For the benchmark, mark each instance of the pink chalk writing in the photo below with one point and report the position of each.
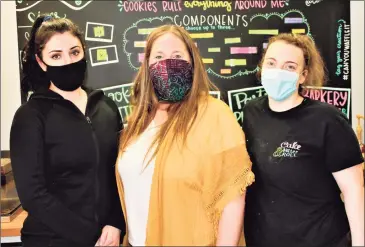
(171, 6)
(132, 6)
(278, 3)
(336, 98)
(264, 45)
(249, 4)
(293, 20)
(140, 57)
(243, 50)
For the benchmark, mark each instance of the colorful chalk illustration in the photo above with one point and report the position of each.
(338, 97)
(226, 56)
(230, 35)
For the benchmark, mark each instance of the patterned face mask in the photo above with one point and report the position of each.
(172, 79)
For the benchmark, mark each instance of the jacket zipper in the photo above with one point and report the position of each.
(97, 192)
(96, 169)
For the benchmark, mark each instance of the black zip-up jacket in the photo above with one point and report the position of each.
(64, 168)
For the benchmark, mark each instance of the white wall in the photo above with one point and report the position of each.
(10, 86)
(357, 61)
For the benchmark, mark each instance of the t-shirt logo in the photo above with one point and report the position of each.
(287, 149)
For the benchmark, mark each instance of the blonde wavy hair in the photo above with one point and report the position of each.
(144, 102)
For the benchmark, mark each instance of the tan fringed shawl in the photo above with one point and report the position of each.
(192, 184)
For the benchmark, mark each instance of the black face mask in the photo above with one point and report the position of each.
(67, 77)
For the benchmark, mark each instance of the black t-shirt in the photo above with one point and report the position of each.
(295, 200)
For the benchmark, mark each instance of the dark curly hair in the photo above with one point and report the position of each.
(43, 29)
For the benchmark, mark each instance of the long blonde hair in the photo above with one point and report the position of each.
(144, 102)
(314, 63)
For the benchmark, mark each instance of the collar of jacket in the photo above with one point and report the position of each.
(46, 93)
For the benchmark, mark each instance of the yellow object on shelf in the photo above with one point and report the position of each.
(359, 135)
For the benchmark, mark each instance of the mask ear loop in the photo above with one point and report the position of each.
(147, 75)
(306, 62)
(301, 87)
(41, 59)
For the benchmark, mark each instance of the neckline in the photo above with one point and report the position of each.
(153, 125)
(287, 113)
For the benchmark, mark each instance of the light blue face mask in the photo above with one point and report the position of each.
(279, 84)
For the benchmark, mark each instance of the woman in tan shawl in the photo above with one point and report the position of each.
(183, 167)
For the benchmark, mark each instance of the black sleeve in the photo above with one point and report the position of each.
(246, 128)
(27, 157)
(342, 149)
(116, 217)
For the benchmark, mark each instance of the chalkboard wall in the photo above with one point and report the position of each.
(231, 36)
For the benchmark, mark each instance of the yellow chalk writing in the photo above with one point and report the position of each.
(298, 30)
(232, 40)
(235, 62)
(201, 35)
(99, 31)
(139, 44)
(226, 71)
(264, 31)
(145, 31)
(101, 55)
(208, 60)
(207, 4)
(214, 49)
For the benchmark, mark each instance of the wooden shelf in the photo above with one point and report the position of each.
(12, 229)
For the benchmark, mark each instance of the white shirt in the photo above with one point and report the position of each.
(137, 184)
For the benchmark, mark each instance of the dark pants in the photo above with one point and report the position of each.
(343, 242)
(346, 241)
(33, 241)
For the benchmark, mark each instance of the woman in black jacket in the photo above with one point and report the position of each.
(64, 144)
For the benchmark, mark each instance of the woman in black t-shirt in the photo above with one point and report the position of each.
(304, 154)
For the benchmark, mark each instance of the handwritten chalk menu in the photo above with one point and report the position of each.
(230, 35)
(239, 97)
(121, 94)
(338, 97)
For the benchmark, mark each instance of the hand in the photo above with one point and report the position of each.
(110, 236)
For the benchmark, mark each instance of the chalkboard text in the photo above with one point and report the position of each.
(209, 4)
(241, 5)
(33, 16)
(238, 99)
(211, 20)
(140, 6)
(338, 97)
(343, 50)
(346, 52)
(171, 6)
